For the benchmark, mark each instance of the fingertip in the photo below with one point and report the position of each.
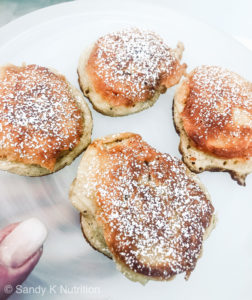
(22, 242)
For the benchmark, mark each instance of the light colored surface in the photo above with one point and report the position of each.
(231, 16)
(245, 41)
(55, 37)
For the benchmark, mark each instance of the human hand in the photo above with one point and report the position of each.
(20, 249)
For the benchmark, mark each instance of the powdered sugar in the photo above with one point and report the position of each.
(133, 61)
(154, 215)
(219, 90)
(39, 117)
(219, 107)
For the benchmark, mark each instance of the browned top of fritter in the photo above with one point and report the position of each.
(39, 118)
(128, 66)
(217, 115)
(154, 216)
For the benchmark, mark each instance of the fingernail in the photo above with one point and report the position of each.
(22, 242)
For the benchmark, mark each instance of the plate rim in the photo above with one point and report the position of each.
(35, 18)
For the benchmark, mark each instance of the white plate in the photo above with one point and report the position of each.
(55, 37)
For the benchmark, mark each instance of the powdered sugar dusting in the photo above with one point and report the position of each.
(220, 107)
(154, 215)
(38, 118)
(133, 62)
